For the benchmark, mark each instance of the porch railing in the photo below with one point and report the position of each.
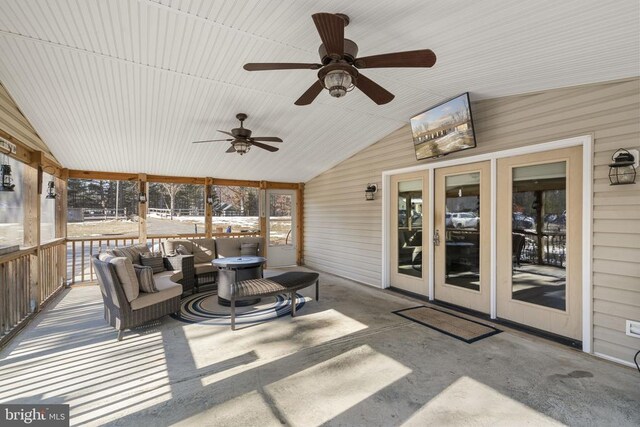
(15, 288)
(19, 282)
(81, 250)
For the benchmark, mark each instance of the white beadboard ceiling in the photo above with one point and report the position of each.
(125, 85)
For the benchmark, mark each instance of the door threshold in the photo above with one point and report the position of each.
(513, 325)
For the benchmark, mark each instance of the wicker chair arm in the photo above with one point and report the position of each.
(185, 264)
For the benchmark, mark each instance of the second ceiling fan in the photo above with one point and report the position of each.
(338, 70)
(242, 140)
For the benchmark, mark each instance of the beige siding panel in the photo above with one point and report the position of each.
(616, 240)
(16, 124)
(619, 352)
(616, 282)
(610, 111)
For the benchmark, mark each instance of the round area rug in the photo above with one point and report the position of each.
(204, 308)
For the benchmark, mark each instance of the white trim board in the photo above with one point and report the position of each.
(586, 141)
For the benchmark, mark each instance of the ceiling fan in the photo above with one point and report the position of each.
(338, 71)
(242, 140)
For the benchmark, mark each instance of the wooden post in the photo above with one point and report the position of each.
(32, 183)
(263, 216)
(208, 209)
(300, 224)
(61, 204)
(142, 208)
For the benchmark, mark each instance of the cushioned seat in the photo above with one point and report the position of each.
(205, 268)
(167, 289)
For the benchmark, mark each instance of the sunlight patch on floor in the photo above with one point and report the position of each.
(469, 402)
(333, 386)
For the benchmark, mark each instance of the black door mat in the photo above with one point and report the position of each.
(458, 327)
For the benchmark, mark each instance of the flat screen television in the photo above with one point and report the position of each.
(444, 129)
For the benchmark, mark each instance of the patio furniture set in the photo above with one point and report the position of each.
(139, 285)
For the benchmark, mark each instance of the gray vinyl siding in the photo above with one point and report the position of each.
(343, 232)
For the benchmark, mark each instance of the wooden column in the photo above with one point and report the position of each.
(300, 224)
(263, 216)
(142, 209)
(31, 189)
(61, 203)
(208, 209)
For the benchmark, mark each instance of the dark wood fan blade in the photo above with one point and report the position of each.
(331, 30)
(225, 132)
(266, 138)
(265, 66)
(311, 94)
(414, 58)
(231, 149)
(211, 140)
(373, 90)
(265, 146)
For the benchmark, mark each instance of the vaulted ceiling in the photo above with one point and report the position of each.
(125, 86)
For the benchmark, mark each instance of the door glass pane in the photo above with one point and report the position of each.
(280, 230)
(462, 230)
(539, 238)
(410, 228)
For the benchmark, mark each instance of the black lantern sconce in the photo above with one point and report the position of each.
(370, 192)
(7, 180)
(51, 190)
(210, 200)
(623, 169)
(142, 198)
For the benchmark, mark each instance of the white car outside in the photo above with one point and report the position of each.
(464, 220)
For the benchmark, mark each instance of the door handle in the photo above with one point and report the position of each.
(436, 238)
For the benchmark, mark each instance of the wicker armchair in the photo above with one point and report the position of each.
(122, 314)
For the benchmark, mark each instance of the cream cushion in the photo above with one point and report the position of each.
(203, 250)
(205, 268)
(167, 289)
(132, 252)
(229, 247)
(127, 276)
(170, 246)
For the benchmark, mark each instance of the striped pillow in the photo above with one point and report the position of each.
(153, 260)
(145, 279)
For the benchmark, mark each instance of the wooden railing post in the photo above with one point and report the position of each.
(208, 209)
(300, 224)
(142, 209)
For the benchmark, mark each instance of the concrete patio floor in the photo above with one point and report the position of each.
(346, 360)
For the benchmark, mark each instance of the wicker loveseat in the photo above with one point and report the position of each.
(125, 306)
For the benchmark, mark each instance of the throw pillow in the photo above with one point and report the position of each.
(249, 249)
(181, 250)
(145, 279)
(105, 256)
(153, 260)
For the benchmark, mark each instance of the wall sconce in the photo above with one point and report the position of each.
(623, 169)
(142, 198)
(51, 190)
(210, 200)
(7, 180)
(369, 193)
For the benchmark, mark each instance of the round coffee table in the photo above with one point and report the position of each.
(236, 269)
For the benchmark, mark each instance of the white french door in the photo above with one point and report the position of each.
(281, 228)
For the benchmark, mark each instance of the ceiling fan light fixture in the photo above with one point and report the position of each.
(241, 147)
(338, 83)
